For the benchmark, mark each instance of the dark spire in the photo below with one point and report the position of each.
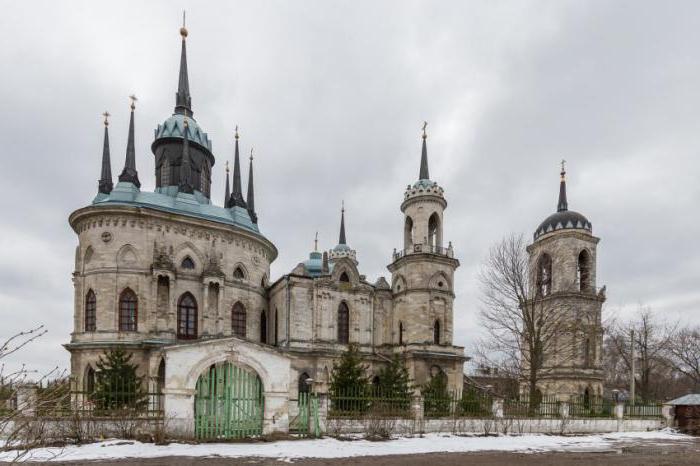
(183, 101)
(227, 193)
(341, 240)
(105, 184)
(129, 174)
(237, 194)
(251, 192)
(562, 204)
(185, 185)
(324, 264)
(424, 175)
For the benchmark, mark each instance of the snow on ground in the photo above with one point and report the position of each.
(332, 448)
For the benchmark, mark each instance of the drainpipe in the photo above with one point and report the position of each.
(289, 299)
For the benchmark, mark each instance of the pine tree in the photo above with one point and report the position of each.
(394, 381)
(349, 382)
(436, 398)
(117, 386)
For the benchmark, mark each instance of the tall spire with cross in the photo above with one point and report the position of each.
(185, 185)
(105, 184)
(227, 192)
(424, 174)
(183, 101)
(129, 174)
(562, 205)
(237, 194)
(342, 240)
(251, 192)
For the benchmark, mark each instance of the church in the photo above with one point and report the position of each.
(183, 283)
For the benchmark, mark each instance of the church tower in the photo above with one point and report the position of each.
(562, 261)
(422, 283)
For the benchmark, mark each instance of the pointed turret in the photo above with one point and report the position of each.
(341, 239)
(183, 101)
(251, 192)
(237, 194)
(424, 173)
(227, 192)
(185, 185)
(105, 184)
(562, 205)
(129, 174)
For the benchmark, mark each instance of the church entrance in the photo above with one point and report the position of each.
(229, 403)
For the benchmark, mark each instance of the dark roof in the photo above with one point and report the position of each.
(563, 219)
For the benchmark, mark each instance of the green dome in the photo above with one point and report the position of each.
(174, 127)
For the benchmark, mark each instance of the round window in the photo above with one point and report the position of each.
(440, 284)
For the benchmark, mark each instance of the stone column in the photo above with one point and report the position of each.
(619, 411)
(564, 409)
(497, 408)
(276, 414)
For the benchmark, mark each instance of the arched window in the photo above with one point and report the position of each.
(544, 275)
(343, 323)
(434, 233)
(187, 263)
(263, 281)
(161, 383)
(304, 386)
(263, 326)
(408, 233)
(128, 311)
(238, 273)
(583, 271)
(90, 380)
(238, 320)
(344, 278)
(400, 333)
(436, 332)
(90, 312)
(187, 317)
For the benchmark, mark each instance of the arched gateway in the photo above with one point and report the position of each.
(229, 403)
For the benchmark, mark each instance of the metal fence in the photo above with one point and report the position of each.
(591, 407)
(648, 409)
(544, 407)
(357, 402)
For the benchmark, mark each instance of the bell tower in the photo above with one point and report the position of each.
(422, 282)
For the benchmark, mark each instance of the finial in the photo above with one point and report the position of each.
(425, 125)
(106, 114)
(342, 206)
(251, 154)
(183, 29)
(563, 169)
(316, 243)
(236, 131)
(227, 166)
(133, 99)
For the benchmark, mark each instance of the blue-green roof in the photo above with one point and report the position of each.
(170, 200)
(314, 264)
(424, 184)
(174, 127)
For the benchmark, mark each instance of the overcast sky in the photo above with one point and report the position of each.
(332, 96)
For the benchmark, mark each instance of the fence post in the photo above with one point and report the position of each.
(497, 408)
(619, 410)
(27, 399)
(668, 414)
(564, 409)
(322, 411)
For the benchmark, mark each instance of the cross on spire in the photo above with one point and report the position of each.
(562, 204)
(106, 114)
(424, 174)
(316, 242)
(183, 100)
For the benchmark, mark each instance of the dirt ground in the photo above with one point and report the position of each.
(637, 454)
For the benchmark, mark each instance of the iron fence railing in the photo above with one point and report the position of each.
(644, 409)
(423, 249)
(591, 407)
(545, 407)
(357, 402)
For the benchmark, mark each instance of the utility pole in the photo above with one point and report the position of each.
(633, 368)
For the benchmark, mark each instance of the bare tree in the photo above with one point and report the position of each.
(528, 332)
(684, 354)
(651, 343)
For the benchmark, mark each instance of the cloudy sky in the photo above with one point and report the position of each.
(332, 96)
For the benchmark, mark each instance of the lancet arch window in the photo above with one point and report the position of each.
(90, 311)
(89, 384)
(187, 263)
(583, 271)
(303, 384)
(544, 275)
(238, 320)
(400, 333)
(434, 232)
(343, 323)
(238, 273)
(344, 278)
(263, 326)
(436, 332)
(187, 317)
(128, 311)
(408, 233)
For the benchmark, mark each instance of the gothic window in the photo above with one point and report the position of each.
(238, 320)
(436, 332)
(90, 312)
(304, 386)
(128, 311)
(90, 380)
(238, 274)
(544, 275)
(344, 278)
(187, 317)
(343, 323)
(400, 333)
(187, 263)
(434, 233)
(408, 233)
(263, 327)
(583, 271)
(263, 281)
(160, 383)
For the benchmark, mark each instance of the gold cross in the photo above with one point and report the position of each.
(563, 166)
(106, 115)
(133, 101)
(251, 154)
(425, 125)
(236, 131)
(227, 166)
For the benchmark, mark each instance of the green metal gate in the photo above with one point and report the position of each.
(306, 421)
(228, 403)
